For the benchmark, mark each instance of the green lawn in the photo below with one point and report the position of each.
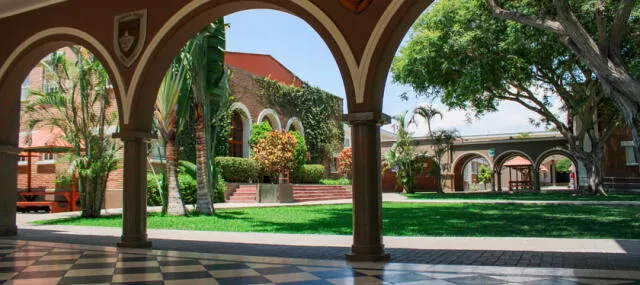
(411, 219)
(525, 196)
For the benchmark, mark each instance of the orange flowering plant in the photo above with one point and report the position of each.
(275, 153)
(344, 162)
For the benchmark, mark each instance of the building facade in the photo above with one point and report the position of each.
(42, 168)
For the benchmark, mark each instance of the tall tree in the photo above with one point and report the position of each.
(442, 143)
(402, 156)
(602, 34)
(166, 121)
(209, 84)
(428, 113)
(78, 103)
(471, 60)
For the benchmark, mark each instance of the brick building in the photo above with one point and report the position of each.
(247, 109)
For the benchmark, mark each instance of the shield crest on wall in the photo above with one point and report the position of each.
(130, 31)
(356, 6)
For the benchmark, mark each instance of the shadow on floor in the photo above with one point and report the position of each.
(629, 261)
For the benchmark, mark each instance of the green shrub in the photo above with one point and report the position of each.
(339, 181)
(300, 156)
(309, 173)
(218, 196)
(188, 189)
(236, 169)
(258, 132)
(153, 193)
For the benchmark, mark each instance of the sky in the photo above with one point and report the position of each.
(296, 45)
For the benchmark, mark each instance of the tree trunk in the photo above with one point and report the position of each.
(204, 205)
(175, 206)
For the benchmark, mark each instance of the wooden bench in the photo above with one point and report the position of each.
(54, 207)
(71, 198)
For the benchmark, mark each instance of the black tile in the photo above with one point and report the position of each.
(53, 262)
(99, 255)
(136, 270)
(40, 274)
(93, 265)
(85, 279)
(179, 262)
(11, 269)
(141, 283)
(19, 258)
(243, 280)
(337, 274)
(70, 252)
(310, 282)
(186, 275)
(404, 277)
(226, 266)
(278, 270)
(136, 258)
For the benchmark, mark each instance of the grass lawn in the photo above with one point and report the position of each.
(410, 219)
(524, 196)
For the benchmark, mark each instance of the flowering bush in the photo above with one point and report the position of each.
(275, 153)
(344, 162)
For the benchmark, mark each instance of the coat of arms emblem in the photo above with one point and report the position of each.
(356, 6)
(129, 35)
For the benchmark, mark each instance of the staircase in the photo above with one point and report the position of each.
(244, 194)
(306, 193)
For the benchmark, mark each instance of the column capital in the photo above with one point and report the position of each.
(366, 118)
(9, 149)
(130, 135)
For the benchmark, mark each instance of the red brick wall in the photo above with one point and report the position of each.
(615, 164)
(43, 176)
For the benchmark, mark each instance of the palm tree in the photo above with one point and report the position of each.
(401, 156)
(209, 84)
(428, 113)
(166, 121)
(77, 103)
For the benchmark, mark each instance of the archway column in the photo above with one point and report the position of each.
(367, 187)
(134, 210)
(9, 177)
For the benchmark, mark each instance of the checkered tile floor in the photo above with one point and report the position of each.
(37, 263)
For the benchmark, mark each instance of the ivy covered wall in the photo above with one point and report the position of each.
(319, 111)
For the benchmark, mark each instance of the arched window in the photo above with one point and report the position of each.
(268, 120)
(237, 136)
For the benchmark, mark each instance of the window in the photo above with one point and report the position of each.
(347, 142)
(23, 160)
(630, 154)
(24, 92)
(237, 136)
(48, 156)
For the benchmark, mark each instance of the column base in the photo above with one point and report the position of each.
(134, 243)
(368, 253)
(8, 231)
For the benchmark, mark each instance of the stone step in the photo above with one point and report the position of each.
(245, 191)
(321, 191)
(318, 199)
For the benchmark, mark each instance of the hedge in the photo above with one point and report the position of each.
(309, 173)
(188, 189)
(236, 169)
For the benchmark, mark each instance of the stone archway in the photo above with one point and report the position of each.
(247, 124)
(459, 165)
(294, 124)
(12, 74)
(501, 159)
(271, 116)
(560, 152)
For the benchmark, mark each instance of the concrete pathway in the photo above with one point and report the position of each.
(514, 252)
